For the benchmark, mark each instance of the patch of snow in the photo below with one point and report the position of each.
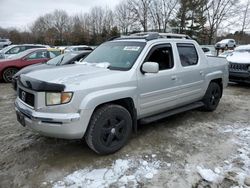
(153, 155)
(209, 175)
(121, 173)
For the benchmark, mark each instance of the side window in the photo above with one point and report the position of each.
(188, 54)
(14, 50)
(38, 55)
(163, 56)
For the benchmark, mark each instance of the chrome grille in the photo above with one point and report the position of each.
(26, 97)
(238, 67)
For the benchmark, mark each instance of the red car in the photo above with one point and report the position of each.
(9, 67)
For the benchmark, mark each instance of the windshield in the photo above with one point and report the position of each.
(119, 54)
(61, 59)
(224, 41)
(6, 49)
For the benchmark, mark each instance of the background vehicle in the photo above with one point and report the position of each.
(15, 49)
(63, 59)
(239, 64)
(136, 78)
(226, 53)
(4, 43)
(209, 50)
(82, 48)
(225, 43)
(9, 67)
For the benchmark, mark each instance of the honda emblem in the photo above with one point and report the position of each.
(23, 95)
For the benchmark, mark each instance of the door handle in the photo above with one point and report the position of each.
(173, 77)
(201, 73)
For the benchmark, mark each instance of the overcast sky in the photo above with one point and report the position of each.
(21, 13)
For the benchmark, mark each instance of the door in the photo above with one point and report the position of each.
(191, 75)
(40, 56)
(157, 91)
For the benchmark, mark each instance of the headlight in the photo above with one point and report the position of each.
(58, 98)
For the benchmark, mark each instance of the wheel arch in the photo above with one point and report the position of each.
(127, 103)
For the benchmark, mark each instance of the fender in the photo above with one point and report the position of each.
(92, 100)
(214, 75)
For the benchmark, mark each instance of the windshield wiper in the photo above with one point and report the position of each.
(60, 61)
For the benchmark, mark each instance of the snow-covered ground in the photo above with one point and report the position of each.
(193, 149)
(131, 172)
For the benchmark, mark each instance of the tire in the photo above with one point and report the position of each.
(8, 74)
(212, 97)
(109, 129)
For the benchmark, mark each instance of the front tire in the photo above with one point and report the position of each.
(109, 129)
(212, 97)
(8, 74)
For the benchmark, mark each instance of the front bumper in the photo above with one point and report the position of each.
(59, 125)
(243, 77)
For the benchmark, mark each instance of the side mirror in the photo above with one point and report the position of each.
(150, 67)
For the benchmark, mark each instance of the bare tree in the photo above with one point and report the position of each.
(245, 17)
(161, 12)
(218, 11)
(140, 10)
(124, 17)
(60, 22)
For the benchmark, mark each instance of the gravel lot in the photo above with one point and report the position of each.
(193, 149)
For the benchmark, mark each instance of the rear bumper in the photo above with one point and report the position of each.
(239, 77)
(59, 125)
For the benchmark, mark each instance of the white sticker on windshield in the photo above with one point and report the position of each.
(131, 48)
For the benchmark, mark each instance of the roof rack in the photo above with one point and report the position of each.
(153, 35)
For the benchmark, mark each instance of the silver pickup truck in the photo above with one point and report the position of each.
(139, 78)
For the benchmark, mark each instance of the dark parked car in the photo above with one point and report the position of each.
(15, 49)
(64, 59)
(9, 67)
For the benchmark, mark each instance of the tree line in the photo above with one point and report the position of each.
(203, 20)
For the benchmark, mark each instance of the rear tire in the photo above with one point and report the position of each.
(8, 74)
(212, 97)
(109, 129)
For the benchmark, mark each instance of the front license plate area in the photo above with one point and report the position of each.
(20, 118)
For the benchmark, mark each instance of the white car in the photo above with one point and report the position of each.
(4, 43)
(225, 43)
(82, 48)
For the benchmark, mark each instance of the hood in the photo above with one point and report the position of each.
(239, 57)
(30, 68)
(85, 75)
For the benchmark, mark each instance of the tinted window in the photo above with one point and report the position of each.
(14, 50)
(38, 55)
(161, 55)
(188, 54)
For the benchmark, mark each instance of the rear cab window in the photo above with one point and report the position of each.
(188, 54)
